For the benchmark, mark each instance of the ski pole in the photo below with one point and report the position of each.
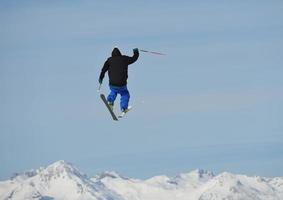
(152, 52)
(99, 87)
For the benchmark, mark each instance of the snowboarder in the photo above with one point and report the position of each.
(117, 67)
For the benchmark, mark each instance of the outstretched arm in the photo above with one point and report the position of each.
(134, 57)
(103, 71)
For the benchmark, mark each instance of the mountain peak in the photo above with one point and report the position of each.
(58, 168)
(109, 174)
(194, 178)
(201, 173)
(197, 174)
(62, 167)
(59, 180)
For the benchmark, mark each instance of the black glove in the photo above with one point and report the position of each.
(100, 81)
(135, 50)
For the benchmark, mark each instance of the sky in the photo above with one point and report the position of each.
(214, 102)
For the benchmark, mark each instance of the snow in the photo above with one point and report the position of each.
(58, 181)
(63, 181)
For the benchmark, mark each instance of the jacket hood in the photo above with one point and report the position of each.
(116, 52)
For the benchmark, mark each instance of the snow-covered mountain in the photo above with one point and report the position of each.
(62, 181)
(59, 180)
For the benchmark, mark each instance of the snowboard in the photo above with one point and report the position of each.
(102, 96)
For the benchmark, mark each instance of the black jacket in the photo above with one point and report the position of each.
(117, 67)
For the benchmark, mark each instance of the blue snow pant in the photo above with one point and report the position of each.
(125, 96)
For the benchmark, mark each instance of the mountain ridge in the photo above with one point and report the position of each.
(63, 181)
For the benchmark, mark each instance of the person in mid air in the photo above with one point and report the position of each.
(117, 67)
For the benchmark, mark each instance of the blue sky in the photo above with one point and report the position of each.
(214, 102)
